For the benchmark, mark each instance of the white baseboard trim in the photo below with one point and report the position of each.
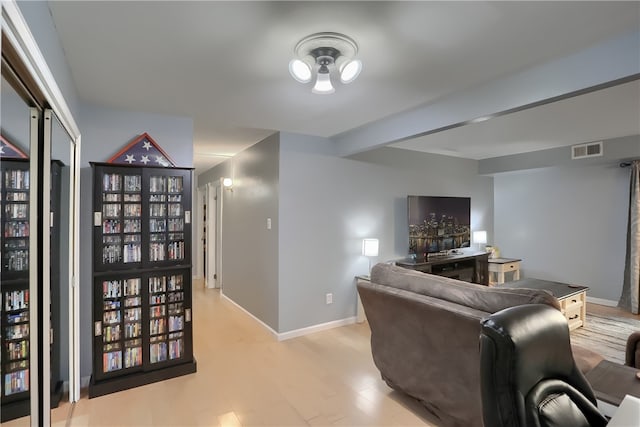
(296, 332)
(316, 328)
(274, 333)
(602, 301)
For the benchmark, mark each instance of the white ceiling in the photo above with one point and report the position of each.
(604, 114)
(225, 65)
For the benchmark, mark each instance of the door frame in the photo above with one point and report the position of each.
(17, 34)
(199, 270)
(220, 192)
(213, 276)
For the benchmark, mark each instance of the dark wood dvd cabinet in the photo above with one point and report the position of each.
(141, 276)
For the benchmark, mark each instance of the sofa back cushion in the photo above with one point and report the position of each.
(478, 297)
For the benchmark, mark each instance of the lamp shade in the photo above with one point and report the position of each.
(350, 70)
(370, 247)
(323, 84)
(300, 70)
(480, 237)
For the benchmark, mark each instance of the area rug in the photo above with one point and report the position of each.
(605, 335)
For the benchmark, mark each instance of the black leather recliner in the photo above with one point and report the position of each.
(528, 375)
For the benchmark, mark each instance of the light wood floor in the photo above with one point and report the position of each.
(610, 311)
(246, 378)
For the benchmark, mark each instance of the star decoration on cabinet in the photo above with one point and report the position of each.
(142, 151)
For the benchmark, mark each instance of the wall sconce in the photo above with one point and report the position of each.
(227, 183)
(370, 249)
(480, 238)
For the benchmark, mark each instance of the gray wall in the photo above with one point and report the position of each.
(322, 207)
(215, 173)
(249, 250)
(329, 204)
(104, 132)
(614, 150)
(568, 224)
(441, 176)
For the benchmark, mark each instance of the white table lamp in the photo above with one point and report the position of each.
(370, 249)
(480, 238)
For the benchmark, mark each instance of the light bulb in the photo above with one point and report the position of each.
(300, 70)
(350, 70)
(323, 83)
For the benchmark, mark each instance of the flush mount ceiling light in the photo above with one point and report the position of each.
(322, 54)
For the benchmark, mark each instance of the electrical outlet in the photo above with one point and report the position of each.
(329, 298)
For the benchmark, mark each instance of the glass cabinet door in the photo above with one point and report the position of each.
(169, 338)
(157, 319)
(169, 217)
(118, 220)
(118, 328)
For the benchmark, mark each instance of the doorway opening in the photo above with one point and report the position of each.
(210, 201)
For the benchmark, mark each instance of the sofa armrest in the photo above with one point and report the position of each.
(632, 356)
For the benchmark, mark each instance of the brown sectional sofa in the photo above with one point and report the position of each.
(632, 354)
(425, 336)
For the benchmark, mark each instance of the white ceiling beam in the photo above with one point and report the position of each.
(615, 60)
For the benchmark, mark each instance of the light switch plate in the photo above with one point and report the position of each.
(187, 217)
(97, 219)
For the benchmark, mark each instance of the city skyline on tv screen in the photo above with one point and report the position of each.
(438, 223)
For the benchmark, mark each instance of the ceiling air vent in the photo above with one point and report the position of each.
(582, 151)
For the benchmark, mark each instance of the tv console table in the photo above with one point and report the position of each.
(470, 267)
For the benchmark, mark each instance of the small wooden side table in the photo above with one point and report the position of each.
(500, 266)
(572, 298)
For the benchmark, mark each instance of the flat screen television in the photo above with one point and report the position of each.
(438, 223)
